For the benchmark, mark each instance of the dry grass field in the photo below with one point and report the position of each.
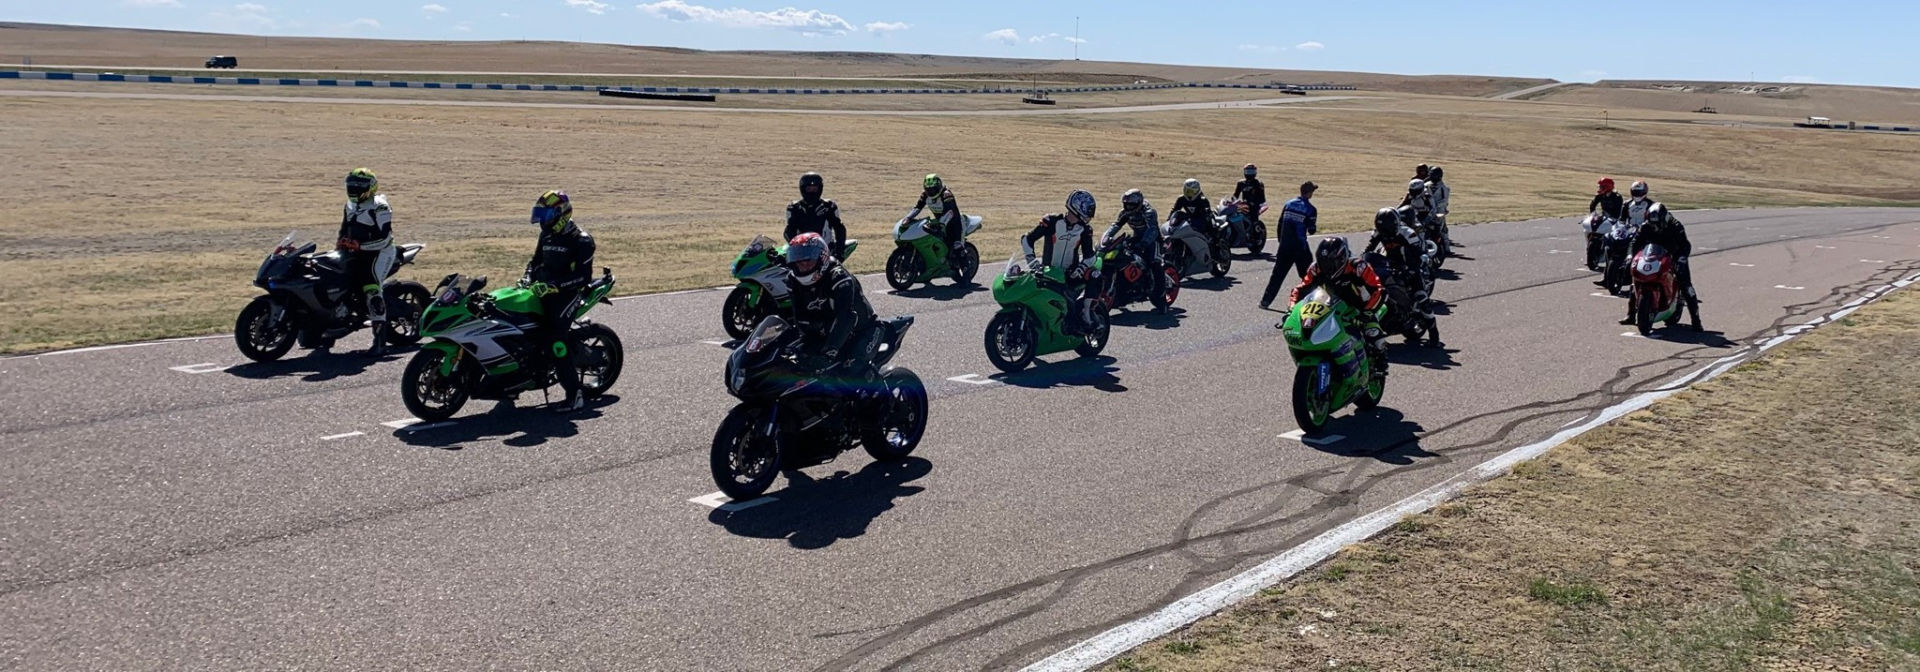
(72, 45)
(163, 208)
(1762, 521)
(1865, 104)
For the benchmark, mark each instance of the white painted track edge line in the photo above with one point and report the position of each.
(1127, 636)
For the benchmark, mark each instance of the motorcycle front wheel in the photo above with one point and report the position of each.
(259, 337)
(903, 421)
(739, 315)
(1310, 410)
(428, 394)
(746, 452)
(902, 268)
(1011, 341)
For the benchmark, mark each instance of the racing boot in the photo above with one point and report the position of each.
(569, 375)
(1376, 346)
(1693, 309)
(377, 312)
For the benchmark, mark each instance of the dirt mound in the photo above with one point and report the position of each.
(1867, 104)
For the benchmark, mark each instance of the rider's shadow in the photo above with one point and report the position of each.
(1383, 434)
(1423, 356)
(1148, 318)
(1211, 284)
(1683, 334)
(1446, 274)
(513, 426)
(815, 513)
(953, 292)
(1095, 372)
(317, 366)
(1439, 307)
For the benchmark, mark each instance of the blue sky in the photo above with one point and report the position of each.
(1866, 42)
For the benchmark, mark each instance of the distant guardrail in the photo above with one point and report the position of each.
(1856, 126)
(468, 86)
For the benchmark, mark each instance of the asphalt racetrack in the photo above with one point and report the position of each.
(168, 505)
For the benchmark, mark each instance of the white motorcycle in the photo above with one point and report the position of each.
(1189, 252)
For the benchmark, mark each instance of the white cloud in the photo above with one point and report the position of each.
(804, 21)
(1309, 46)
(369, 24)
(463, 27)
(242, 18)
(592, 6)
(1074, 40)
(886, 26)
(1007, 36)
(1037, 39)
(150, 4)
(431, 10)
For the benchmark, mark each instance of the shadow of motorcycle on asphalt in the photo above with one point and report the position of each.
(813, 513)
(1145, 317)
(942, 293)
(508, 423)
(318, 365)
(1687, 336)
(1211, 284)
(1095, 372)
(1423, 356)
(1383, 434)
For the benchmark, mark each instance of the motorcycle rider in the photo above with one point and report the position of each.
(366, 242)
(1420, 197)
(1665, 230)
(1192, 207)
(1439, 195)
(1355, 284)
(1298, 219)
(1251, 192)
(1636, 210)
(1144, 225)
(1422, 172)
(935, 196)
(1405, 254)
(830, 309)
(1068, 238)
(561, 267)
(813, 214)
(1608, 201)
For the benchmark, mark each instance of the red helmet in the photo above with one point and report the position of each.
(1606, 185)
(806, 257)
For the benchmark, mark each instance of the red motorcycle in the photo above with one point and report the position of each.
(1656, 291)
(1124, 278)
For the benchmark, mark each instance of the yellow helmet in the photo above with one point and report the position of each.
(362, 184)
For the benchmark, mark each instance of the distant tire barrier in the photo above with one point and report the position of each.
(467, 86)
(683, 97)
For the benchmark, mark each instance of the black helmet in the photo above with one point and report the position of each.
(1407, 214)
(1331, 258)
(812, 185)
(1422, 171)
(1386, 221)
(1132, 200)
(1434, 173)
(1658, 214)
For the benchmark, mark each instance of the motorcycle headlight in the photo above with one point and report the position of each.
(1325, 333)
(739, 381)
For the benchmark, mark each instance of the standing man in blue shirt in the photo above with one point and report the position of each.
(1298, 220)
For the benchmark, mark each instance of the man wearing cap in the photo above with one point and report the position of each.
(1298, 219)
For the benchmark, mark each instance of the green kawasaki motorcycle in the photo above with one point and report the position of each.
(1334, 367)
(1033, 315)
(762, 290)
(485, 347)
(920, 255)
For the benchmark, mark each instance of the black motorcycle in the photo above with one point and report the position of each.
(310, 301)
(1409, 310)
(1125, 278)
(791, 416)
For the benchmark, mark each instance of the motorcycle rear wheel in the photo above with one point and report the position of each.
(742, 447)
(405, 302)
(259, 341)
(601, 359)
(969, 266)
(1095, 340)
(903, 421)
(1257, 239)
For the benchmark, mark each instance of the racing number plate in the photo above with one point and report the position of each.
(1315, 311)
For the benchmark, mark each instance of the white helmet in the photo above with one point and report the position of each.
(1191, 189)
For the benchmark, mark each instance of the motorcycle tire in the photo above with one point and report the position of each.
(1257, 239)
(1170, 291)
(904, 420)
(1220, 267)
(739, 316)
(903, 266)
(1311, 414)
(1094, 341)
(743, 424)
(1370, 394)
(1643, 315)
(249, 328)
(601, 351)
(970, 265)
(423, 375)
(1004, 325)
(406, 301)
